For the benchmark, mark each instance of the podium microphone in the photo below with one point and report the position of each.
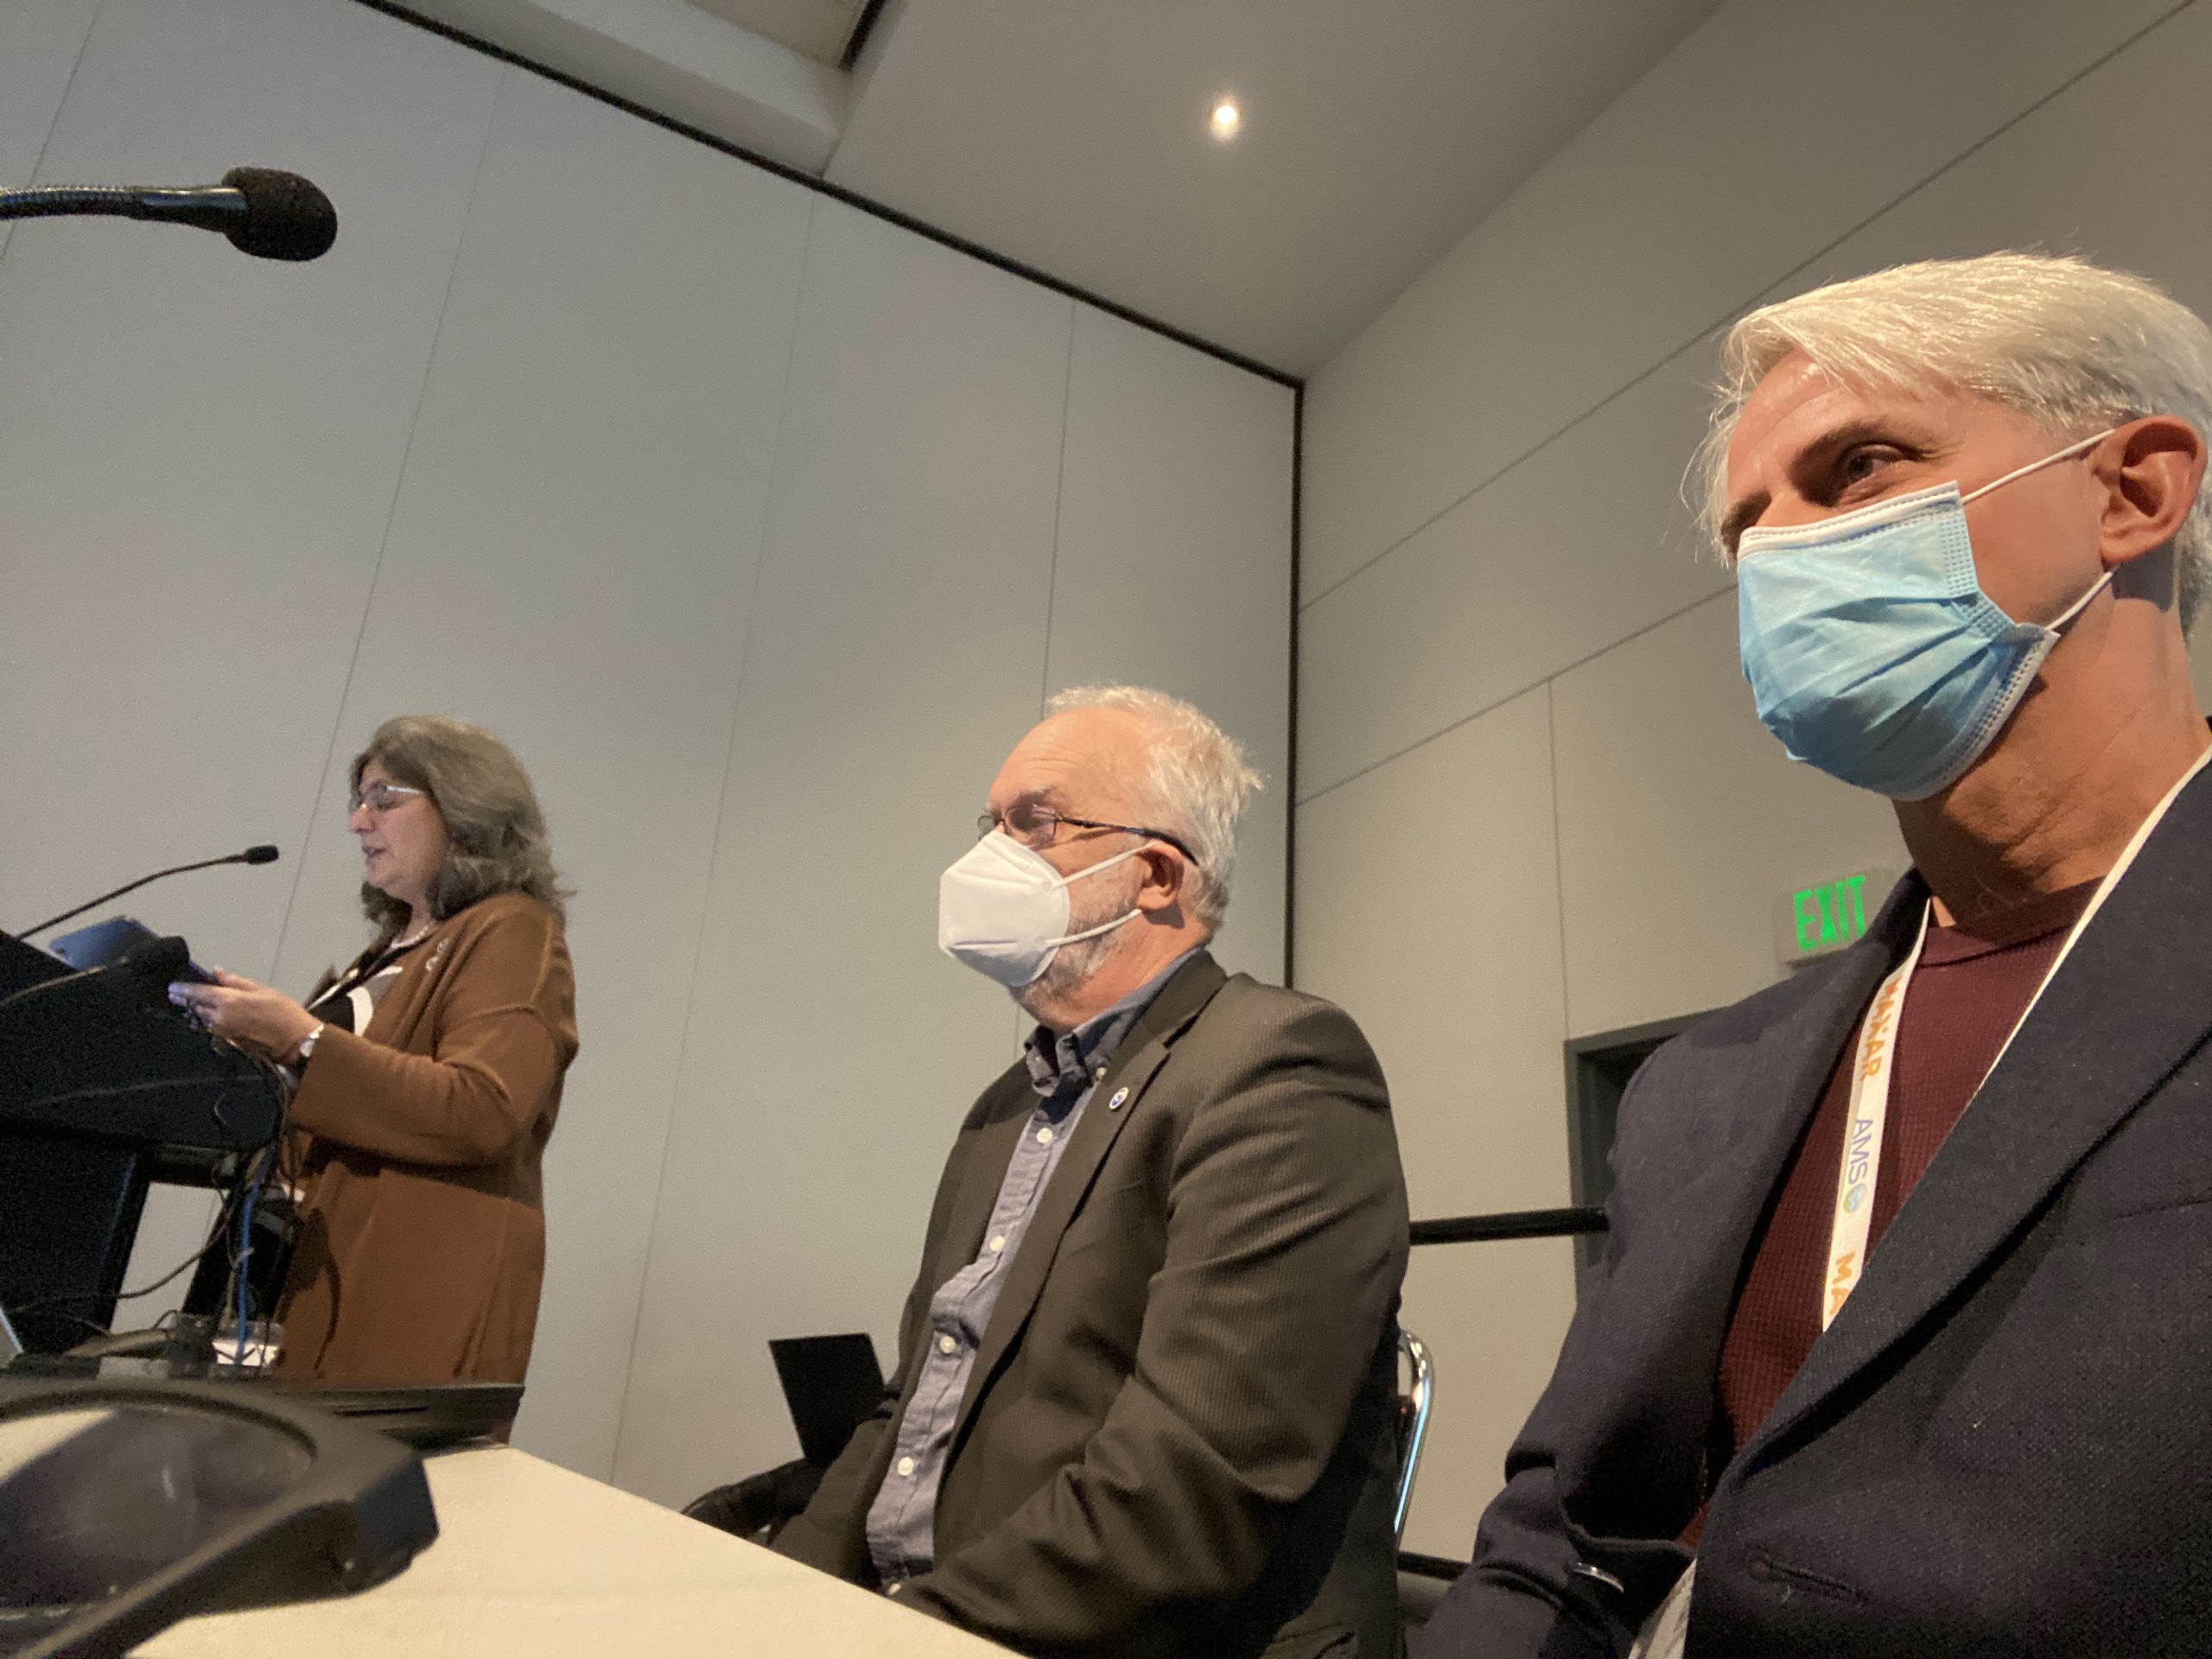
(269, 214)
(149, 965)
(264, 854)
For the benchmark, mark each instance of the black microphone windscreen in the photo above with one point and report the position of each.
(264, 854)
(286, 217)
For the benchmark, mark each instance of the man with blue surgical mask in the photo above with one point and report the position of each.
(1901, 1342)
(1145, 1400)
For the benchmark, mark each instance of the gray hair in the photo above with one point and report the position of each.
(1197, 786)
(2073, 346)
(497, 829)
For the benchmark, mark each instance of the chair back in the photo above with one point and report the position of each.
(1413, 1401)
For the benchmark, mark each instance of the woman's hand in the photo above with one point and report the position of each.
(251, 1016)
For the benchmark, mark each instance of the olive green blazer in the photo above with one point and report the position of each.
(1175, 1437)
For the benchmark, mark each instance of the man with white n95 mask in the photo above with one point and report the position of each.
(1147, 1376)
(1901, 1344)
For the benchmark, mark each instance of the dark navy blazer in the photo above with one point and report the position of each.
(2003, 1445)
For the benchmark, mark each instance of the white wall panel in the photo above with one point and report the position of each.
(1426, 907)
(1680, 821)
(1769, 133)
(896, 653)
(198, 450)
(571, 560)
(1583, 545)
(2100, 169)
(1493, 1316)
(1588, 540)
(1173, 570)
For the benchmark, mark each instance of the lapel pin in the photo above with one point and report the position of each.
(1115, 1105)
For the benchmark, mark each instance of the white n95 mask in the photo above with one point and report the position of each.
(1002, 909)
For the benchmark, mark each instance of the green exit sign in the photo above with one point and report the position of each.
(1823, 918)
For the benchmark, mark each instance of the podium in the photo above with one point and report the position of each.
(99, 1097)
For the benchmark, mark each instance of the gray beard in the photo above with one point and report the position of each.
(1073, 964)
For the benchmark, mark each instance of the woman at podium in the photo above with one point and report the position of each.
(429, 1073)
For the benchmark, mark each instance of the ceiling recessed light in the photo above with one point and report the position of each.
(1227, 119)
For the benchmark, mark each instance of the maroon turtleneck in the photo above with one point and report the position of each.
(1973, 982)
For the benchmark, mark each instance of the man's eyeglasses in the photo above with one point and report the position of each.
(381, 797)
(1037, 827)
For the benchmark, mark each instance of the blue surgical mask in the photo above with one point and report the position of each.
(1872, 650)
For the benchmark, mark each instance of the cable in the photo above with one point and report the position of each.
(271, 1150)
(244, 1269)
(220, 1228)
(260, 1169)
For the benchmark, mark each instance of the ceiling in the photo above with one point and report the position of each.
(1072, 135)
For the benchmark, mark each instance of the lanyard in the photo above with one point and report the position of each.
(1874, 1066)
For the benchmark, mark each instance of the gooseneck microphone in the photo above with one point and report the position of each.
(264, 854)
(269, 214)
(151, 964)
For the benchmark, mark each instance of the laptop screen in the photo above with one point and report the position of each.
(831, 1384)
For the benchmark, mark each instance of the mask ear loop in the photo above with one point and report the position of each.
(2056, 625)
(1092, 933)
(2067, 453)
(1105, 927)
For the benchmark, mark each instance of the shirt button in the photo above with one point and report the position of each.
(946, 1344)
(906, 1466)
(1043, 1137)
(998, 1244)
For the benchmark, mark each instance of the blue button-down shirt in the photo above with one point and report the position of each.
(1064, 1069)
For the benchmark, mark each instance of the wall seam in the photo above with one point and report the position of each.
(713, 845)
(391, 518)
(1517, 692)
(1559, 860)
(1023, 1023)
(2162, 20)
(92, 22)
(400, 11)
(1059, 497)
(1783, 281)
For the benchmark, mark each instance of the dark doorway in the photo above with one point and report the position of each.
(1598, 1072)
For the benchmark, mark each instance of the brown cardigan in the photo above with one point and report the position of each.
(423, 1236)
